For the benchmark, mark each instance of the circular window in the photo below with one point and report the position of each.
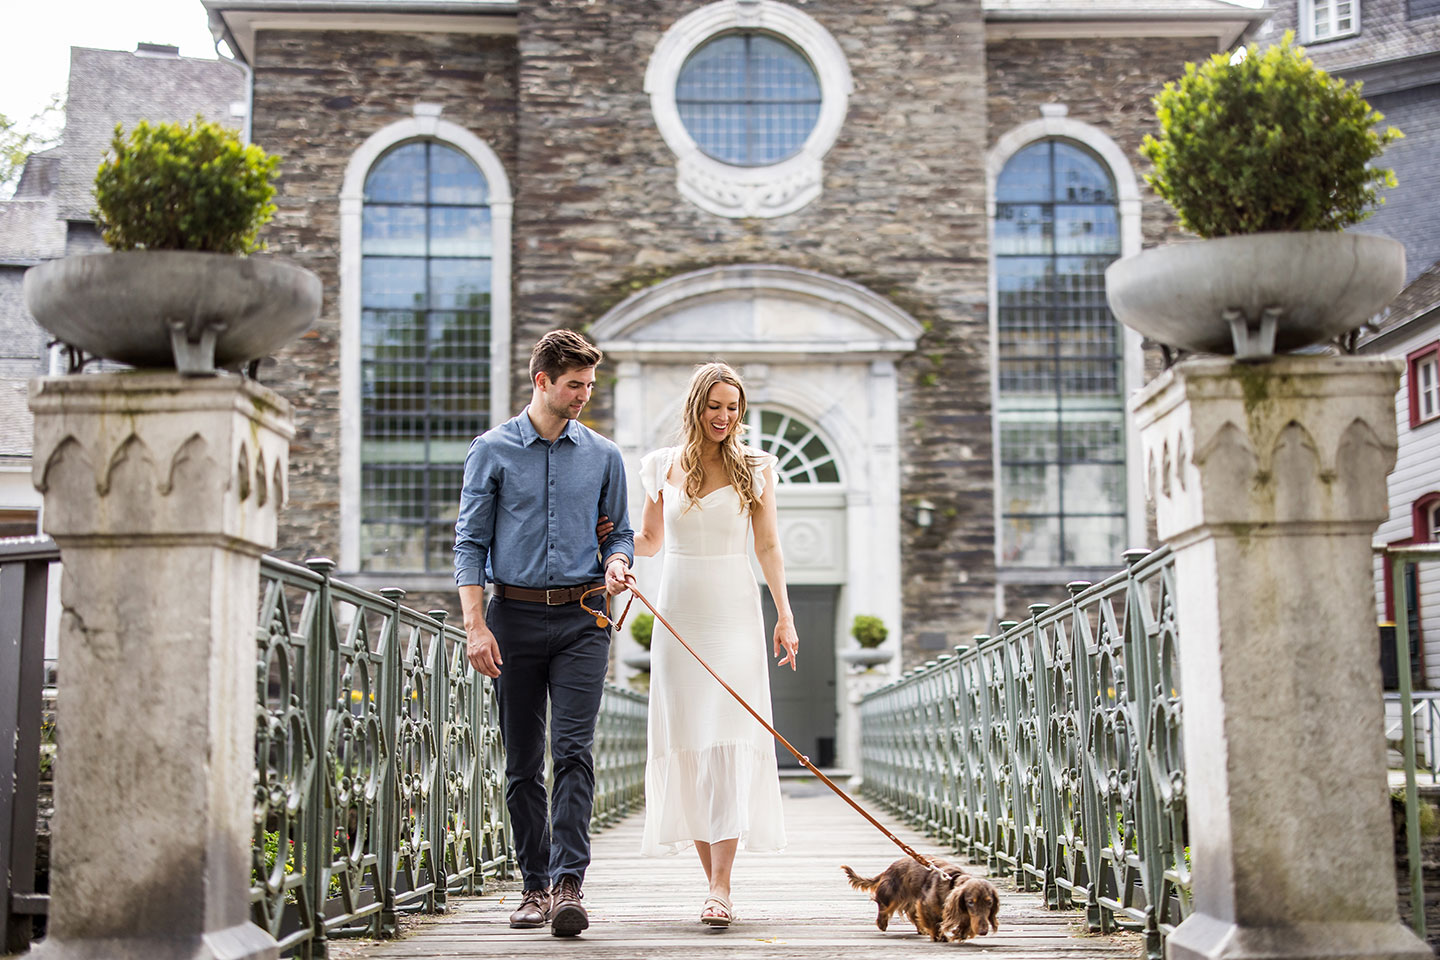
(748, 99)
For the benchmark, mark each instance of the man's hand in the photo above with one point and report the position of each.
(617, 576)
(482, 650)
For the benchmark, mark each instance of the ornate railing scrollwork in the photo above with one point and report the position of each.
(1053, 751)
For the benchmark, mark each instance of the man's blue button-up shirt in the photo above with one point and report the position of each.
(528, 507)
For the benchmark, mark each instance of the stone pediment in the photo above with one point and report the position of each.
(755, 311)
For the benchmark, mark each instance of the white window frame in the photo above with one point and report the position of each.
(1054, 123)
(425, 125)
(1430, 361)
(1307, 20)
(724, 189)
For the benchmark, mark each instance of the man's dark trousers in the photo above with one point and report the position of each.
(555, 652)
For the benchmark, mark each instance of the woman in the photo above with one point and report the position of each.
(710, 779)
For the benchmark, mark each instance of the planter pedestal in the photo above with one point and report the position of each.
(1269, 481)
(162, 492)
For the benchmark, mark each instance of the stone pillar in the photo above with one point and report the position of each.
(1269, 480)
(162, 492)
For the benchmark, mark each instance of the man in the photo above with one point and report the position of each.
(535, 488)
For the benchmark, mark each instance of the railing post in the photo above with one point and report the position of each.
(24, 579)
(162, 492)
(320, 819)
(439, 795)
(1269, 481)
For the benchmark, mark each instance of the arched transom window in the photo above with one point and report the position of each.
(1060, 406)
(802, 455)
(425, 349)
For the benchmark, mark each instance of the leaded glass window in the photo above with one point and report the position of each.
(802, 455)
(1059, 396)
(425, 350)
(748, 99)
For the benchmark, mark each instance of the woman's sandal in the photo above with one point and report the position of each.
(717, 912)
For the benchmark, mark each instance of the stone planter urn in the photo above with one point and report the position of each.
(1257, 294)
(173, 309)
(867, 657)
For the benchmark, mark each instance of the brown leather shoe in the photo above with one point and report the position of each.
(533, 911)
(567, 913)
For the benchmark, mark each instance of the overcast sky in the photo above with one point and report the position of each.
(35, 44)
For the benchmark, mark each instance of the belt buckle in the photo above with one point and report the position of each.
(549, 596)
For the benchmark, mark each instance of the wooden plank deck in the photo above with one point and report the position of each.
(795, 904)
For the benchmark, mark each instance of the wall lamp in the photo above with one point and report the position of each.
(924, 514)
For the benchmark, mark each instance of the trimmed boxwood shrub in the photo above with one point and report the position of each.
(1268, 142)
(191, 187)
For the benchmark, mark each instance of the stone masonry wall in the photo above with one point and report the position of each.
(318, 96)
(902, 212)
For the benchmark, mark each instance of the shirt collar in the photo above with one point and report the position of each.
(529, 435)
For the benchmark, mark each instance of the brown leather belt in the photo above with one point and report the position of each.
(551, 596)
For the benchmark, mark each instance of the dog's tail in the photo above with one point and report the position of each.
(867, 884)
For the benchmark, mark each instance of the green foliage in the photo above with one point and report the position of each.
(642, 628)
(1268, 142)
(19, 140)
(195, 187)
(868, 631)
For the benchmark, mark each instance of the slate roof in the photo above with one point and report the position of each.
(17, 423)
(115, 86)
(1419, 297)
(31, 231)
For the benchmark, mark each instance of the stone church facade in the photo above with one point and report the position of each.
(892, 218)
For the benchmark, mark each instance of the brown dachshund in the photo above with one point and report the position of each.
(909, 886)
(971, 909)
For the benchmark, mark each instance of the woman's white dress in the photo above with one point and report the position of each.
(711, 773)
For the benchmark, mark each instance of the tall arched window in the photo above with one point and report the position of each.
(425, 316)
(1060, 391)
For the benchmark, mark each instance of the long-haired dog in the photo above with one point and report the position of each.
(909, 886)
(971, 909)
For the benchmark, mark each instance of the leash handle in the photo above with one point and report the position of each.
(602, 621)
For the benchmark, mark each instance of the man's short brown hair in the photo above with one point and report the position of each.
(561, 351)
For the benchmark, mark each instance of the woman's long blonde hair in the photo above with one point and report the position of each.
(739, 467)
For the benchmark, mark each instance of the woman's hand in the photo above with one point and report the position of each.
(787, 640)
(602, 529)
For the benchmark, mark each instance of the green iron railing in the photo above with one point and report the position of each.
(1052, 751)
(379, 768)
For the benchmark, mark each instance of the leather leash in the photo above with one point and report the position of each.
(603, 621)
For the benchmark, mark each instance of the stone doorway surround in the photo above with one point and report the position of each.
(815, 345)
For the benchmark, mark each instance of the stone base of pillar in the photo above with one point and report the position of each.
(243, 942)
(1203, 937)
(162, 492)
(1269, 481)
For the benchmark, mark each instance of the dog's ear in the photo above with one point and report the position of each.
(994, 913)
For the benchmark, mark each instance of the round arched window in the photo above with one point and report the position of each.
(748, 99)
(802, 455)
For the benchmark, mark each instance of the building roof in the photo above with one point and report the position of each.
(237, 21)
(1227, 22)
(17, 423)
(115, 86)
(1418, 301)
(31, 231)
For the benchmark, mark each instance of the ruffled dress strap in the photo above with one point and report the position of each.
(654, 468)
(760, 460)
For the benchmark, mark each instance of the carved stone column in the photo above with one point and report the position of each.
(162, 492)
(1269, 480)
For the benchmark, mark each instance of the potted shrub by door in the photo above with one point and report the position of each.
(1267, 158)
(869, 632)
(181, 207)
